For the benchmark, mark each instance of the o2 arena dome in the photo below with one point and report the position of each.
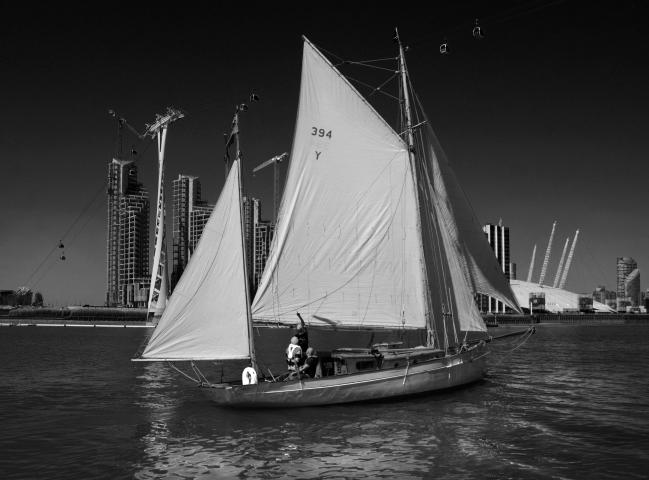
(557, 300)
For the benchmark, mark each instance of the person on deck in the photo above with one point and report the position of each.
(301, 334)
(293, 355)
(310, 366)
(308, 369)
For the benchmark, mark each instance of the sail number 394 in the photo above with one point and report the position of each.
(320, 132)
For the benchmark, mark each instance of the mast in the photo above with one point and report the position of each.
(403, 73)
(406, 99)
(234, 136)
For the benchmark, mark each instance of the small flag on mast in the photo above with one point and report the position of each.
(230, 139)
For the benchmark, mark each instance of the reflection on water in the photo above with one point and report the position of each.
(572, 403)
(540, 414)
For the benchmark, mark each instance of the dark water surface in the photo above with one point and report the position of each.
(573, 402)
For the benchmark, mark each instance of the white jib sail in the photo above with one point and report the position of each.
(206, 318)
(346, 248)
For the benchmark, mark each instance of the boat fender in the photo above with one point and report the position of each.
(249, 376)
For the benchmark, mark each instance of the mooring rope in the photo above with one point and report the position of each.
(525, 338)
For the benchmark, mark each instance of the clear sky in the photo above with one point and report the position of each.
(544, 119)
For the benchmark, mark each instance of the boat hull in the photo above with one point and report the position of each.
(417, 378)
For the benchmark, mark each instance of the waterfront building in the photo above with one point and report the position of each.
(127, 249)
(258, 234)
(251, 215)
(632, 287)
(264, 231)
(554, 300)
(197, 220)
(625, 265)
(628, 283)
(190, 214)
(607, 297)
(498, 238)
(8, 297)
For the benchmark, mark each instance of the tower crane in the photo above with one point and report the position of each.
(121, 123)
(275, 161)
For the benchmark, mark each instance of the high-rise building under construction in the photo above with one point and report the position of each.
(128, 237)
(190, 214)
(628, 282)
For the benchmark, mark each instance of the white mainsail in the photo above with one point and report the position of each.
(346, 249)
(207, 315)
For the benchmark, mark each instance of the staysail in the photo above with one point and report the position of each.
(207, 315)
(465, 235)
(346, 249)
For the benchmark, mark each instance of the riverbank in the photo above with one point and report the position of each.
(568, 319)
(75, 317)
(136, 317)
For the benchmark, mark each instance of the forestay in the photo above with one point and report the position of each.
(346, 250)
(206, 318)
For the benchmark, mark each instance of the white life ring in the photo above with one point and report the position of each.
(249, 376)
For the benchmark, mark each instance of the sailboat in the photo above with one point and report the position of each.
(374, 233)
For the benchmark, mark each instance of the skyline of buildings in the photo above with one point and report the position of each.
(190, 215)
(127, 266)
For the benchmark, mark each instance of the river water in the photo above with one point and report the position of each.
(572, 402)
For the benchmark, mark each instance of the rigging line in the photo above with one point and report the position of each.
(376, 67)
(329, 53)
(433, 227)
(370, 86)
(444, 158)
(378, 89)
(369, 61)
